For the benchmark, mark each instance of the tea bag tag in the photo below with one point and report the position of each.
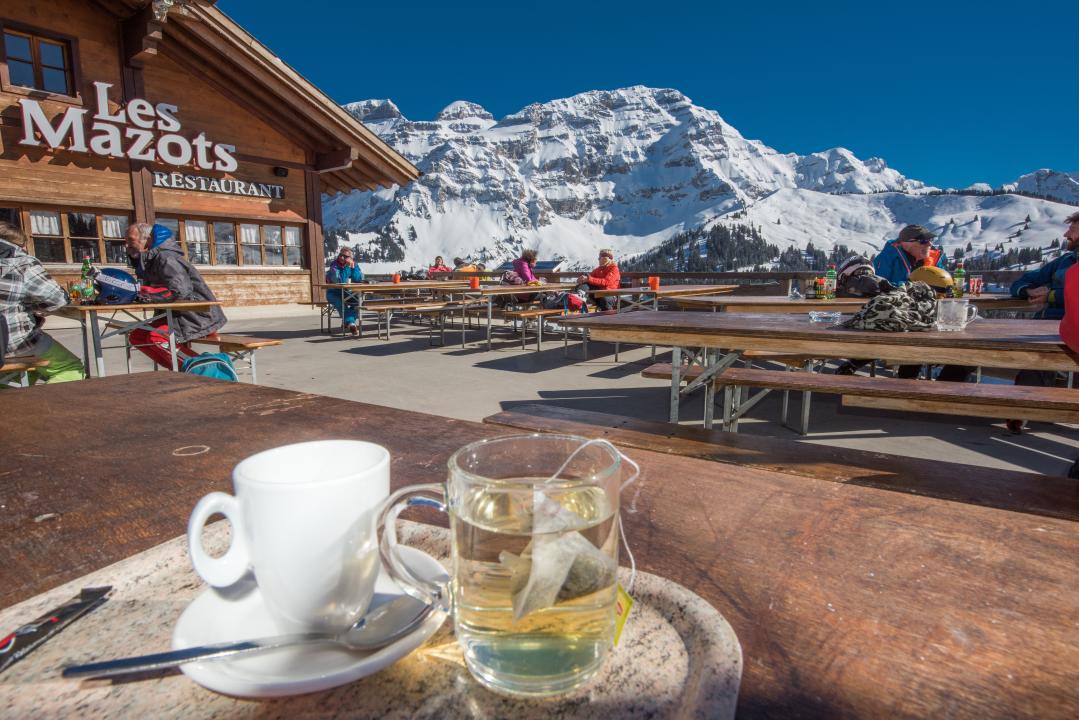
(623, 604)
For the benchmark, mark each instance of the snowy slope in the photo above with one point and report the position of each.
(627, 169)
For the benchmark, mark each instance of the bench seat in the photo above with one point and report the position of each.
(16, 369)
(241, 348)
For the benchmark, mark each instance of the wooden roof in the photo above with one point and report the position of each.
(203, 39)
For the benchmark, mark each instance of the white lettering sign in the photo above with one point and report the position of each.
(138, 120)
(183, 181)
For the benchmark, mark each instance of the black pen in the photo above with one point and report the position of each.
(20, 643)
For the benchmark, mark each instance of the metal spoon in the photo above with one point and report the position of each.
(380, 627)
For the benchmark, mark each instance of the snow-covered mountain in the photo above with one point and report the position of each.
(629, 168)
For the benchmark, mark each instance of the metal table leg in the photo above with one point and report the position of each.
(676, 381)
(85, 343)
(489, 314)
(96, 335)
(172, 339)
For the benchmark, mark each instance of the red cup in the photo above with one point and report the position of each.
(474, 283)
(653, 282)
(396, 278)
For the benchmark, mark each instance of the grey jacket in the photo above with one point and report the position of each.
(166, 266)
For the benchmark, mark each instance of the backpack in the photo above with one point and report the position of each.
(858, 279)
(115, 287)
(213, 365)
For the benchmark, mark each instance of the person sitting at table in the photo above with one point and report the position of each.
(159, 262)
(524, 265)
(27, 291)
(341, 271)
(605, 277)
(913, 248)
(1045, 287)
(439, 266)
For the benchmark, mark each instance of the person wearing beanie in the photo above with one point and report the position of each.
(159, 261)
(605, 277)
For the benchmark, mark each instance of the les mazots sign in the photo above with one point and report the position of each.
(145, 132)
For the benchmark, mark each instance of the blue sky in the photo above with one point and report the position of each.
(950, 92)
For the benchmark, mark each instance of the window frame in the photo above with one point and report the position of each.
(65, 229)
(71, 49)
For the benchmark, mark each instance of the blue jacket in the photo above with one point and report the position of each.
(893, 264)
(1050, 275)
(338, 274)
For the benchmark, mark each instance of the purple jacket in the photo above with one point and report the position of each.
(524, 270)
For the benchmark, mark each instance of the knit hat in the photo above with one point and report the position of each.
(608, 252)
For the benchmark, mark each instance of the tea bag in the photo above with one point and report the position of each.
(558, 564)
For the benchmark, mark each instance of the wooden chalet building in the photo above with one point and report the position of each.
(121, 111)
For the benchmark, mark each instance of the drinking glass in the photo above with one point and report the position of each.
(534, 548)
(953, 314)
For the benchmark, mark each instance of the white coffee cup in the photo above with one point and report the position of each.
(953, 314)
(303, 519)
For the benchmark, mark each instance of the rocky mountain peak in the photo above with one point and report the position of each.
(463, 110)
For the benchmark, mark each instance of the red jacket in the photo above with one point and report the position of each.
(439, 268)
(605, 277)
(1069, 324)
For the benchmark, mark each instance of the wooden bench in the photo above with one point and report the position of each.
(1048, 404)
(539, 315)
(15, 372)
(971, 484)
(385, 311)
(240, 348)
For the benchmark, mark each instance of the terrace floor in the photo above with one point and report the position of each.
(473, 383)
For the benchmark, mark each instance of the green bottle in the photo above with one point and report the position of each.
(959, 280)
(829, 282)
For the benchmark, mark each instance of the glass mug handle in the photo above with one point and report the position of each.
(972, 313)
(432, 593)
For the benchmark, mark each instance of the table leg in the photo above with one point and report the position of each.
(676, 381)
(172, 339)
(85, 344)
(617, 309)
(254, 370)
(539, 336)
(490, 312)
(96, 335)
(709, 392)
(655, 306)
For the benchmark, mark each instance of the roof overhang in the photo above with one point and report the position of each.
(346, 154)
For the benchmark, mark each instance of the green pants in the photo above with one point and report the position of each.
(63, 365)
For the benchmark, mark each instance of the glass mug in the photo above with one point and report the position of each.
(534, 559)
(953, 314)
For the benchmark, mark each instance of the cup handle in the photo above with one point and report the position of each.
(972, 313)
(432, 593)
(230, 567)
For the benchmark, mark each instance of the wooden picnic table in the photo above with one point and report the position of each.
(849, 601)
(783, 304)
(359, 291)
(667, 291)
(1016, 344)
(121, 320)
(486, 295)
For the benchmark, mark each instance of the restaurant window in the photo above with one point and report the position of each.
(82, 228)
(47, 235)
(224, 243)
(250, 244)
(293, 253)
(37, 62)
(11, 216)
(271, 235)
(198, 241)
(114, 232)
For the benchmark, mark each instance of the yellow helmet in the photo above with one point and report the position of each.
(937, 278)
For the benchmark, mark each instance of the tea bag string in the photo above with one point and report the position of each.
(629, 481)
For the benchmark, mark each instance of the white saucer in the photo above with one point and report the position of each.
(213, 618)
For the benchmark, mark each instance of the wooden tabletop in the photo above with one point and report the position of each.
(1018, 343)
(492, 290)
(183, 305)
(665, 291)
(849, 601)
(379, 287)
(783, 304)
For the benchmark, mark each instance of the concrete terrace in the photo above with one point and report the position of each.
(473, 383)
